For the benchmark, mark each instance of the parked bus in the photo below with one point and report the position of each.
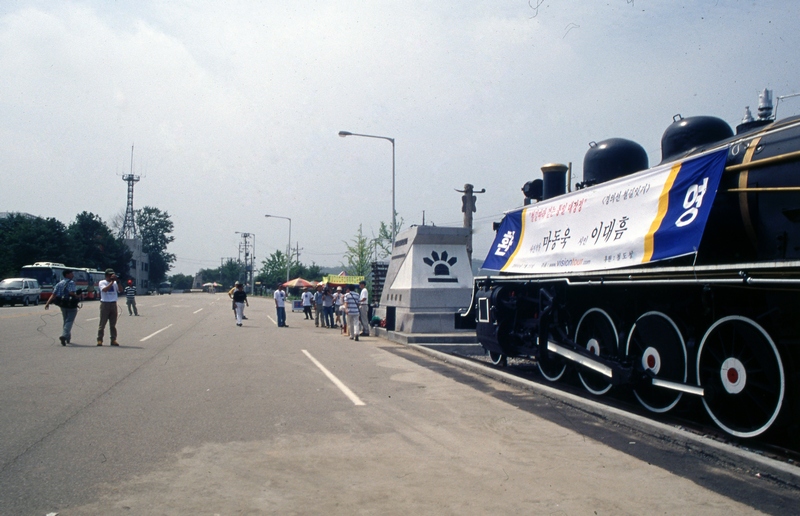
(94, 283)
(49, 273)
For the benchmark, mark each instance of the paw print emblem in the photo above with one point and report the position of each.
(441, 264)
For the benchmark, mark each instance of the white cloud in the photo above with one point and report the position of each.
(234, 107)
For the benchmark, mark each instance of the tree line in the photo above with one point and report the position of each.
(86, 242)
(361, 252)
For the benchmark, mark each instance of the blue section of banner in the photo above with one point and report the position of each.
(506, 241)
(690, 199)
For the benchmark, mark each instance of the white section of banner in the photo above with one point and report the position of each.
(602, 226)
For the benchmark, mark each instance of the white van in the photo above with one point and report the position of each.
(19, 290)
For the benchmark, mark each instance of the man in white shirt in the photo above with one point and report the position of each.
(307, 304)
(363, 308)
(280, 306)
(109, 292)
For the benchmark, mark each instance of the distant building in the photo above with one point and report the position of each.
(139, 266)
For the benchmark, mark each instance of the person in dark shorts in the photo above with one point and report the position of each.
(240, 300)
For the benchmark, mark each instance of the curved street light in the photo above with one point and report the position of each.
(347, 133)
(289, 247)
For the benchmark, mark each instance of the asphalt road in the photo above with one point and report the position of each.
(192, 415)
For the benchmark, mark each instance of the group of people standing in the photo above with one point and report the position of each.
(343, 308)
(65, 295)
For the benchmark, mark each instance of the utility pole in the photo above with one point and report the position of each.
(245, 248)
(468, 208)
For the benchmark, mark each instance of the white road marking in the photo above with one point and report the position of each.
(342, 387)
(197, 311)
(162, 304)
(273, 320)
(154, 334)
(92, 319)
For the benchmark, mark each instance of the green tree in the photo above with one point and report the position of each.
(25, 241)
(359, 254)
(383, 242)
(273, 270)
(313, 273)
(155, 227)
(181, 281)
(93, 245)
(227, 274)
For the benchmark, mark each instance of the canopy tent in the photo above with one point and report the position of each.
(342, 280)
(215, 284)
(298, 282)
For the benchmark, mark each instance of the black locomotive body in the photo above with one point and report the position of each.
(721, 324)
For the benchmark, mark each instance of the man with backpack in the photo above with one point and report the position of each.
(65, 295)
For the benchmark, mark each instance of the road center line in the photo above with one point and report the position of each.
(154, 334)
(342, 387)
(92, 319)
(197, 311)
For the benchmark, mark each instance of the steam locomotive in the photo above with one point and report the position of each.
(663, 285)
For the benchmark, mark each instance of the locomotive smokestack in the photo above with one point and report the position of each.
(555, 180)
(765, 104)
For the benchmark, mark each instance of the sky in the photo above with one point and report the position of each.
(233, 108)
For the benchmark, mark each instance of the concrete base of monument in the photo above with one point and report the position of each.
(462, 342)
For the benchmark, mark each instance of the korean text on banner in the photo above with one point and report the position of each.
(652, 215)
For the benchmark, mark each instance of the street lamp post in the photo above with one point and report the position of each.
(289, 247)
(394, 213)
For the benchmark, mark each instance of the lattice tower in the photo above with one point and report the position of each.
(128, 230)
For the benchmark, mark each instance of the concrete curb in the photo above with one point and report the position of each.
(725, 453)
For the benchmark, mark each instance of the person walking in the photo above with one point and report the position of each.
(65, 295)
(109, 293)
(130, 298)
(239, 299)
(280, 306)
(351, 301)
(307, 297)
(233, 303)
(363, 308)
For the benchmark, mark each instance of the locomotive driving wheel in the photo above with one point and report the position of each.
(656, 342)
(740, 369)
(498, 359)
(551, 366)
(597, 333)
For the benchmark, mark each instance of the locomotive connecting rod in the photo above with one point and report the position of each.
(582, 360)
